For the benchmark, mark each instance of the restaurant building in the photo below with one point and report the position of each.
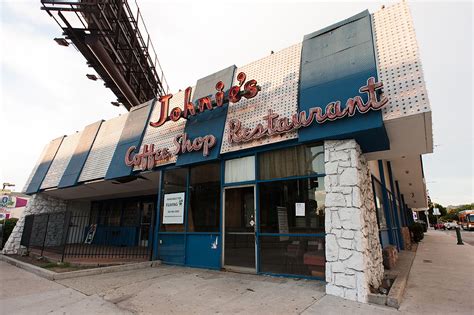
(305, 163)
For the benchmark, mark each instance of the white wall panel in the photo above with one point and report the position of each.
(103, 149)
(163, 136)
(399, 65)
(278, 75)
(61, 160)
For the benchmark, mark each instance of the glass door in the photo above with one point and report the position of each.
(239, 228)
(145, 224)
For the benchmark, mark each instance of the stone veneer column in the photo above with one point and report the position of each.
(353, 251)
(37, 204)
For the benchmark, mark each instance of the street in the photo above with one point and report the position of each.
(467, 236)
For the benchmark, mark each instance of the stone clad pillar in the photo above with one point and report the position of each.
(353, 250)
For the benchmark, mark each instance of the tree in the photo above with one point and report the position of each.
(452, 215)
(433, 219)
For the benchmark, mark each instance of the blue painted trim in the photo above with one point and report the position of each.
(337, 25)
(385, 203)
(396, 212)
(249, 182)
(171, 233)
(257, 214)
(202, 233)
(132, 135)
(263, 148)
(402, 212)
(253, 182)
(157, 220)
(315, 175)
(221, 217)
(186, 207)
(76, 164)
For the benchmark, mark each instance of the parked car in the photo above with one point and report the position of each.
(439, 226)
(451, 225)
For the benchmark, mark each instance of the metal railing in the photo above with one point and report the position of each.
(65, 236)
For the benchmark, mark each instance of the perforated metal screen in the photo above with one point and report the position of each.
(103, 149)
(278, 76)
(163, 136)
(399, 65)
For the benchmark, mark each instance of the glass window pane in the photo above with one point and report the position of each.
(111, 213)
(293, 255)
(240, 170)
(295, 161)
(292, 206)
(204, 198)
(379, 205)
(131, 213)
(174, 181)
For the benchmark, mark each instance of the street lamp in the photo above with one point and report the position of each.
(93, 77)
(61, 41)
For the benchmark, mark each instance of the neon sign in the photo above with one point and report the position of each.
(275, 125)
(250, 90)
(149, 157)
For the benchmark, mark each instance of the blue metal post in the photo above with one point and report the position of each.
(386, 208)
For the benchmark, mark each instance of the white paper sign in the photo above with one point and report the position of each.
(300, 209)
(173, 208)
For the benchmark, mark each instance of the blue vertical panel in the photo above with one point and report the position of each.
(203, 250)
(335, 63)
(44, 166)
(74, 168)
(132, 135)
(209, 121)
(171, 248)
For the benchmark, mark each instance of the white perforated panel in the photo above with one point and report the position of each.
(103, 149)
(163, 136)
(38, 162)
(61, 160)
(399, 66)
(278, 76)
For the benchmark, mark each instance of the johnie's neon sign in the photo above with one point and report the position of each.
(250, 90)
(148, 158)
(274, 124)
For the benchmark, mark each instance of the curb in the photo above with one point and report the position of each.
(50, 275)
(395, 295)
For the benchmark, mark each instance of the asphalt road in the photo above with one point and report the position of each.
(467, 236)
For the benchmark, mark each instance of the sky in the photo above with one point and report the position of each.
(44, 92)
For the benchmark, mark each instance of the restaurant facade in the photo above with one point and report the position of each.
(305, 163)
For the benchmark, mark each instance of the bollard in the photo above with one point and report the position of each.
(458, 234)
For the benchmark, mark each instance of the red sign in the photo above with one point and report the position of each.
(149, 157)
(189, 108)
(274, 124)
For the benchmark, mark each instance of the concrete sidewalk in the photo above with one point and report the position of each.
(22, 292)
(440, 282)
